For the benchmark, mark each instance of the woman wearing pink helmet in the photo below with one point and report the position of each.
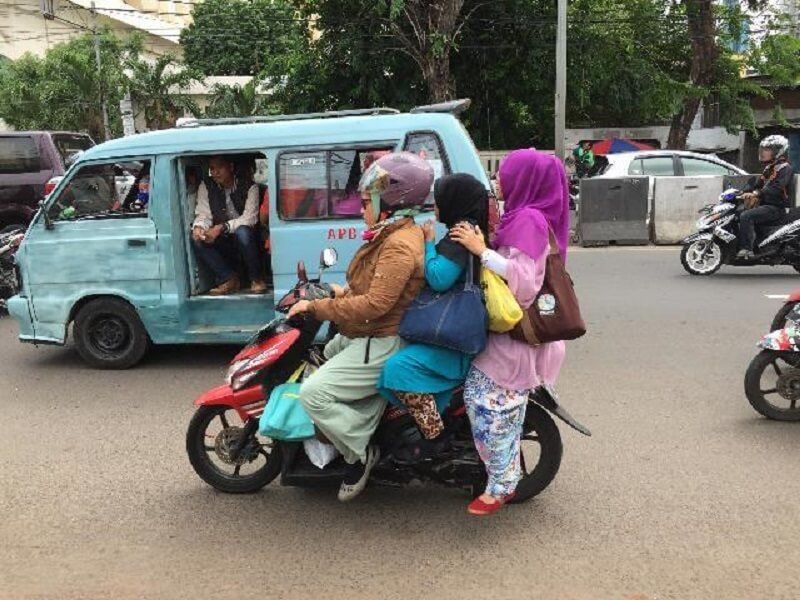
(385, 275)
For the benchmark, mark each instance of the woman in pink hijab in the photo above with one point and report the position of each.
(535, 190)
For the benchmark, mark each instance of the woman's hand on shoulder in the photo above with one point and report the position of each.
(470, 237)
(429, 231)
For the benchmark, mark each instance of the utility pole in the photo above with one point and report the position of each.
(106, 128)
(561, 78)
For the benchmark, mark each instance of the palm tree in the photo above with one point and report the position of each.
(237, 101)
(158, 89)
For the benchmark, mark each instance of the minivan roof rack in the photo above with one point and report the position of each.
(454, 107)
(193, 122)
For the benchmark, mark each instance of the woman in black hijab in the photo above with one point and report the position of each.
(423, 377)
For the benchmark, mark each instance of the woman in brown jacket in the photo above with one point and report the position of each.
(385, 275)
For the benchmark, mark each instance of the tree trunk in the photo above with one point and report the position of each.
(428, 35)
(441, 86)
(700, 14)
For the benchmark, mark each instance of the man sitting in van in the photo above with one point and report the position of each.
(225, 227)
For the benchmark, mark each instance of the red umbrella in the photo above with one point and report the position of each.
(615, 145)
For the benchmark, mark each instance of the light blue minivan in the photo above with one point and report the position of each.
(124, 273)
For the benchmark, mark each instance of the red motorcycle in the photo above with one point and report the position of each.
(228, 453)
(786, 311)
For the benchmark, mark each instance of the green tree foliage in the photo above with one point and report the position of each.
(158, 89)
(352, 61)
(239, 101)
(64, 89)
(242, 37)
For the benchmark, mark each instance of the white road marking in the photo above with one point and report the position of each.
(777, 296)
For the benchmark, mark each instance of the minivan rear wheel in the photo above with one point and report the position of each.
(109, 334)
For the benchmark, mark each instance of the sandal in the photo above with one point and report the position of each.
(480, 508)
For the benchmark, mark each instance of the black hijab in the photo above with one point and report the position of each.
(460, 197)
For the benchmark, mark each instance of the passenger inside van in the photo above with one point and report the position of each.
(225, 232)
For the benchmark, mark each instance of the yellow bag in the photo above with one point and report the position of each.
(504, 310)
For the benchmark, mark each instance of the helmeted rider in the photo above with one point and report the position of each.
(768, 198)
(383, 278)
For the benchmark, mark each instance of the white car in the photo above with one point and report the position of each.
(666, 163)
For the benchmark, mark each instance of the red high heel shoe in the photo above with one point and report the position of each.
(480, 508)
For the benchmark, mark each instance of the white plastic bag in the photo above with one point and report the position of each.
(318, 453)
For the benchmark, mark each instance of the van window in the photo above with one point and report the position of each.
(105, 190)
(427, 145)
(323, 184)
(18, 154)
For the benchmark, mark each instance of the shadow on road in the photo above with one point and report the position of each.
(399, 513)
(742, 274)
(157, 359)
(780, 434)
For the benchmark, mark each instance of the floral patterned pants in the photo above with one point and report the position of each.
(497, 416)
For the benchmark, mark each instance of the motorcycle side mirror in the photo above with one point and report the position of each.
(302, 275)
(327, 258)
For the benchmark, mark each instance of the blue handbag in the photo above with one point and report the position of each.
(456, 319)
(284, 417)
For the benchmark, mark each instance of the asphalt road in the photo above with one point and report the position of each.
(683, 492)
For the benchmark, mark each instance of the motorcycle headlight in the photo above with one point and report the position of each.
(242, 372)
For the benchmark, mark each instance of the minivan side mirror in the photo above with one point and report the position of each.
(327, 258)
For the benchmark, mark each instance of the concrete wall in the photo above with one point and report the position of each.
(676, 201)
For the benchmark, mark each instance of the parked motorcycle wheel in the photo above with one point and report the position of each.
(774, 396)
(779, 322)
(701, 257)
(208, 445)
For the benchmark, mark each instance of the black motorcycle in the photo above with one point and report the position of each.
(10, 239)
(716, 242)
(227, 452)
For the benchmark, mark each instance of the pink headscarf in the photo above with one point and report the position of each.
(536, 194)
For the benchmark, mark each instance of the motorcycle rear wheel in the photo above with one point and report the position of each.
(201, 448)
(541, 430)
(538, 429)
(787, 386)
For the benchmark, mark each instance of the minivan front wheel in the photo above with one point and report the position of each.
(109, 334)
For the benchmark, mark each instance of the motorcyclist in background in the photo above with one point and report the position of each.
(768, 198)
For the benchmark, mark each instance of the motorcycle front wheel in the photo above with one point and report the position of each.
(701, 257)
(779, 322)
(212, 433)
(772, 386)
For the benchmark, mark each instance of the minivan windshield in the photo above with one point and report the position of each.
(68, 144)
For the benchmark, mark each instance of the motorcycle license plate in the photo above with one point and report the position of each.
(725, 236)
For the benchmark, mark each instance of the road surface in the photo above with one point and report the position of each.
(683, 492)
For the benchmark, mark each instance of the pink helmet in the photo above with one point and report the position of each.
(397, 181)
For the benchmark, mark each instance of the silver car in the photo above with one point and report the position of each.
(667, 163)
